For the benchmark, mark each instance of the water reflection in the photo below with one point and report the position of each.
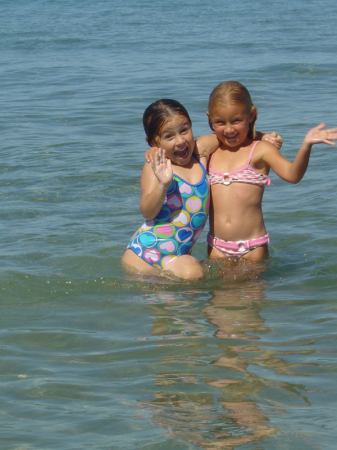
(206, 392)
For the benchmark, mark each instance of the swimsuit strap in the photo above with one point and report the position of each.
(250, 156)
(209, 162)
(201, 165)
(251, 153)
(197, 158)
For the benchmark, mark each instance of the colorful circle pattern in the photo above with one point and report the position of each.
(176, 228)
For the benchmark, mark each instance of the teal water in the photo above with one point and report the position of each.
(91, 358)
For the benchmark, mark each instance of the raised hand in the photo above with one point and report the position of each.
(274, 138)
(319, 135)
(162, 168)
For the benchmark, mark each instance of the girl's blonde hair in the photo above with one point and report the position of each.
(232, 92)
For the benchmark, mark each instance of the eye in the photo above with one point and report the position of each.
(167, 136)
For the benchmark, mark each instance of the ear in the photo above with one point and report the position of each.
(209, 121)
(152, 143)
(253, 114)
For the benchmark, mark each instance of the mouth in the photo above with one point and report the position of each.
(182, 154)
(231, 137)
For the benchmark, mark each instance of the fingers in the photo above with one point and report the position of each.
(163, 157)
(330, 133)
(330, 136)
(169, 165)
(321, 135)
(159, 158)
(150, 154)
(275, 139)
(276, 143)
(161, 154)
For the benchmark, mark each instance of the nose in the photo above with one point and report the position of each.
(228, 129)
(180, 140)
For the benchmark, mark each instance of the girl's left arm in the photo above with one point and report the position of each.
(293, 172)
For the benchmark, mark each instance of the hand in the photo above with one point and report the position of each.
(150, 154)
(318, 135)
(274, 138)
(162, 168)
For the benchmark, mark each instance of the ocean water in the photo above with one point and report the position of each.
(92, 358)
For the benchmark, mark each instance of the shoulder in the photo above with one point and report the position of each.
(148, 177)
(209, 140)
(265, 155)
(147, 168)
(207, 144)
(261, 153)
(264, 147)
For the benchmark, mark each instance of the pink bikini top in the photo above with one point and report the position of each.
(245, 175)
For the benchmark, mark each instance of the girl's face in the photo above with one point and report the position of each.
(176, 138)
(231, 123)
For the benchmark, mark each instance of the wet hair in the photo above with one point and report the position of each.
(158, 113)
(232, 92)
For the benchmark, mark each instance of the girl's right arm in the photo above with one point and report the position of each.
(155, 181)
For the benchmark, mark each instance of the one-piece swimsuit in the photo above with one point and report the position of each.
(175, 229)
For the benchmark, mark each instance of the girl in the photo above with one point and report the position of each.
(238, 172)
(174, 196)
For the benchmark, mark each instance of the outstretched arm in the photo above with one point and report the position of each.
(155, 181)
(294, 172)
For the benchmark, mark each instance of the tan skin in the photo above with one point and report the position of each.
(205, 145)
(174, 156)
(236, 209)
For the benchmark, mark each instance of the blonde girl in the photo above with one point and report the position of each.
(238, 172)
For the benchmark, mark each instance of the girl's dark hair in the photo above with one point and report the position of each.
(158, 113)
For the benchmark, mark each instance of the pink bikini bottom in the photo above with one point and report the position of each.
(236, 248)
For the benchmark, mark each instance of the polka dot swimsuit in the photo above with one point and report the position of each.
(177, 226)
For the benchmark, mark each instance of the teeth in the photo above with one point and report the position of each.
(181, 152)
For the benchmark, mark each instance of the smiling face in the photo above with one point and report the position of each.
(231, 123)
(177, 139)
